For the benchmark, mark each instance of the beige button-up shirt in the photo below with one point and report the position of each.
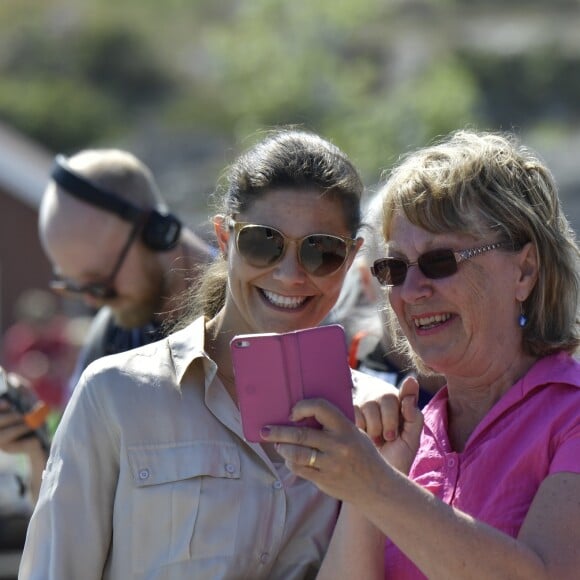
(150, 477)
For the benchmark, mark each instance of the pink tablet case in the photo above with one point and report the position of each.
(275, 371)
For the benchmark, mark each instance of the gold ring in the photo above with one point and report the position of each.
(313, 457)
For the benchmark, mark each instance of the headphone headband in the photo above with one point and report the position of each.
(89, 192)
(161, 230)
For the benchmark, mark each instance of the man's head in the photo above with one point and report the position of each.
(98, 252)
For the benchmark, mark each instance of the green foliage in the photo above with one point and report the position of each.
(234, 67)
(379, 129)
(59, 113)
(122, 64)
(522, 89)
(79, 85)
(331, 80)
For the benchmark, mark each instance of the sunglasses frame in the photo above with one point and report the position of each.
(239, 226)
(101, 290)
(459, 255)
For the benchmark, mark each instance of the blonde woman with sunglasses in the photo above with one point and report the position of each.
(149, 474)
(482, 278)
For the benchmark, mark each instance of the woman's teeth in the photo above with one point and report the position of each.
(431, 320)
(284, 301)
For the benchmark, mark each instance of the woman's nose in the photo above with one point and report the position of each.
(416, 285)
(289, 269)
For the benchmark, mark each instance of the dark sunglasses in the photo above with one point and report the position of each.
(434, 264)
(101, 290)
(264, 246)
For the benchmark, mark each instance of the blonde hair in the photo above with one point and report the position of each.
(487, 183)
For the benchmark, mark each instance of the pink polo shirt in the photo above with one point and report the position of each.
(530, 433)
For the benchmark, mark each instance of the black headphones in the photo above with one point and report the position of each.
(160, 230)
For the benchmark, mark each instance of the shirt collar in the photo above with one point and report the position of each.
(555, 368)
(186, 345)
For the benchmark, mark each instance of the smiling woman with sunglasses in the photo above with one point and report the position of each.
(482, 278)
(264, 246)
(150, 475)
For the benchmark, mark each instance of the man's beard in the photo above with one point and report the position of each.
(145, 306)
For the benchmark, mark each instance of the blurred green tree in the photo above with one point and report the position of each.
(377, 77)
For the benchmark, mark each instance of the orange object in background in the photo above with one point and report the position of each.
(36, 417)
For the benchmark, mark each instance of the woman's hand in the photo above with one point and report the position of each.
(13, 431)
(341, 459)
(394, 423)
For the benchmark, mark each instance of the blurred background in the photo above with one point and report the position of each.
(184, 84)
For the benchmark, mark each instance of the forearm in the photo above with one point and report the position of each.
(444, 542)
(356, 549)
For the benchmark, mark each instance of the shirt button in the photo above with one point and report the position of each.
(264, 557)
(278, 484)
(144, 474)
(451, 462)
(230, 468)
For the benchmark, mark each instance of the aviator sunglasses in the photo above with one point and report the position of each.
(434, 264)
(263, 246)
(104, 290)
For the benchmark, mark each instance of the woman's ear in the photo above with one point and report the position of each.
(528, 271)
(222, 232)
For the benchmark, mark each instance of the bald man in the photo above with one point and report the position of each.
(107, 232)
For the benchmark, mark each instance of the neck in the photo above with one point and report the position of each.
(470, 400)
(217, 346)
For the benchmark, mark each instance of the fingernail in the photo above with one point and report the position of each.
(265, 431)
(390, 436)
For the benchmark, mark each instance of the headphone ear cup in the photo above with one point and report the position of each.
(161, 231)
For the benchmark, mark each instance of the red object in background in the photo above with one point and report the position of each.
(43, 354)
(39, 346)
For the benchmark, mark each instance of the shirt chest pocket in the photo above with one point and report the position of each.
(184, 502)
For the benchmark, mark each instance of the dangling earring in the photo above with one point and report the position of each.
(523, 319)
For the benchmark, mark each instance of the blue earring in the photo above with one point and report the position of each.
(523, 319)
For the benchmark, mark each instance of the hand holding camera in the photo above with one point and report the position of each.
(22, 415)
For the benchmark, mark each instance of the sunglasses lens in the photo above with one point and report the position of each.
(322, 255)
(435, 264)
(260, 246)
(390, 271)
(438, 263)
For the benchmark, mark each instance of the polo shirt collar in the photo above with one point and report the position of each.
(552, 369)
